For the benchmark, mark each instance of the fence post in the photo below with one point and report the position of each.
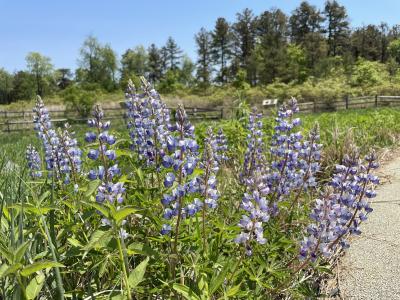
(347, 101)
(315, 107)
(222, 113)
(376, 100)
(8, 125)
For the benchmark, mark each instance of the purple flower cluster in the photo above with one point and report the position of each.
(342, 207)
(62, 154)
(213, 154)
(295, 161)
(70, 156)
(254, 200)
(294, 164)
(221, 147)
(254, 158)
(148, 119)
(181, 159)
(34, 161)
(49, 137)
(107, 168)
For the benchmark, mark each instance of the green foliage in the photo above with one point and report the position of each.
(394, 50)
(98, 64)
(80, 100)
(367, 73)
(170, 83)
(240, 80)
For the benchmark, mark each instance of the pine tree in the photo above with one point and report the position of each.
(154, 63)
(221, 48)
(204, 69)
(366, 43)
(272, 32)
(306, 30)
(304, 20)
(337, 27)
(173, 54)
(244, 34)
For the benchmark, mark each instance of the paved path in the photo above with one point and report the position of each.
(370, 269)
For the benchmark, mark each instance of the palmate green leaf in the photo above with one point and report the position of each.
(92, 187)
(217, 280)
(137, 274)
(233, 291)
(74, 242)
(40, 265)
(101, 208)
(99, 238)
(12, 269)
(119, 215)
(142, 249)
(35, 286)
(44, 196)
(186, 292)
(19, 254)
(6, 254)
(3, 269)
(42, 210)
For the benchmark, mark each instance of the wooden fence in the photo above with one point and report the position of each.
(350, 103)
(22, 120)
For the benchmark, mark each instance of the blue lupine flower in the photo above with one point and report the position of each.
(107, 169)
(49, 137)
(341, 208)
(169, 180)
(70, 156)
(93, 154)
(90, 137)
(34, 161)
(148, 124)
(166, 228)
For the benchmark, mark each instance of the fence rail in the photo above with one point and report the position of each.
(22, 120)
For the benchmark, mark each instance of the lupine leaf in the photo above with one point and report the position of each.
(216, 281)
(40, 265)
(137, 274)
(92, 187)
(12, 269)
(233, 291)
(122, 213)
(99, 207)
(21, 251)
(98, 238)
(186, 292)
(35, 286)
(3, 269)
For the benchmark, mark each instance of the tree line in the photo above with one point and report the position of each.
(252, 50)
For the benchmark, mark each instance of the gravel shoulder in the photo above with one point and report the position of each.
(370, 269)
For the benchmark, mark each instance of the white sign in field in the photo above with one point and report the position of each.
(269, 102)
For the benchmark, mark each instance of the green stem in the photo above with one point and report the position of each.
(53, 253)
(124, 266)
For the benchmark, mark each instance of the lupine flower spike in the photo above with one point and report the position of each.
(34, 162)
(341, 209)
(107, 168)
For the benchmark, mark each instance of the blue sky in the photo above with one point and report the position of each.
(57, 28)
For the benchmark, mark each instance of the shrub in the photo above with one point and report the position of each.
(79, 99)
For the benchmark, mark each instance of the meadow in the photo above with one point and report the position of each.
(167, 209)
